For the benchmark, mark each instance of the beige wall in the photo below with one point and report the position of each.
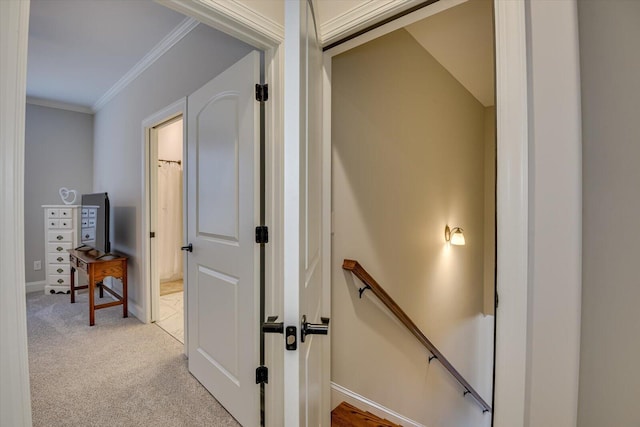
(610, 348)
(408, 158)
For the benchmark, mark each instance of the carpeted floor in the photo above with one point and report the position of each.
(119, 372)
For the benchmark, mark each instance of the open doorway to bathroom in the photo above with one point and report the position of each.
(166, 218)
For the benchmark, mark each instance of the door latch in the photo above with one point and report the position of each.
(313, 328)
(188, 248)
(290, 332)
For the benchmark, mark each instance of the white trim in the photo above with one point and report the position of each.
(59, 105)
(342, 394)
(135, 309)
(327, 217)
(32, 287)
(176, 109)
(177, 34)
(293, 408)
(233, 18)
(396, 24)
(361, 16)
(512, 196)
(15, 398)
(512, 214)
(274, 251)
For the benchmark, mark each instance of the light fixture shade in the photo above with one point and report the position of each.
(454, 236)
(457, 237)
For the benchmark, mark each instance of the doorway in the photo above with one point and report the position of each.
(402, 171)
(167, 219)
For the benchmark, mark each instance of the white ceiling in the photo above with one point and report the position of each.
(79, 49)
(461, 39)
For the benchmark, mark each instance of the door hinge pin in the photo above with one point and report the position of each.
(262, 375)
(262, 92)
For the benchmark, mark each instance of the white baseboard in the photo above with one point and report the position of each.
(341, 394)
(38, 286)
(136, 310)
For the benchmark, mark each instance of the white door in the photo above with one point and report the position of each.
(306, 290)
(223, 211)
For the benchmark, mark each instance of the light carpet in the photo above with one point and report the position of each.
(119, 372)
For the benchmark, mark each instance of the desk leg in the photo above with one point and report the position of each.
(73, 285)
(125, 298)
(92, 319)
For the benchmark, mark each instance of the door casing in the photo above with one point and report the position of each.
(511, 60)
(511, 195)
(178, 108)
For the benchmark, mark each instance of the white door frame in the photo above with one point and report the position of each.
(15, 399)
(148, 259)
(268, 36)
(512, 194)
(245, 24)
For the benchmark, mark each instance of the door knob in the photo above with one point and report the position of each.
(273, 327)
(188, 248)
(307, 328)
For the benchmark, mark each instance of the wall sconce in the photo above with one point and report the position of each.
(454, 236)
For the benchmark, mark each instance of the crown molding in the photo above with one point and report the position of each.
(177, 34)
(361, 16)
(233, 18)
(59, 105)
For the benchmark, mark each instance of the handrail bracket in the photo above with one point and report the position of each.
(361, 290)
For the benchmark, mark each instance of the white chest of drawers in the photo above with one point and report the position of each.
(60, 234)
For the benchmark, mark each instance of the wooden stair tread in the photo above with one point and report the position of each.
(346, 415)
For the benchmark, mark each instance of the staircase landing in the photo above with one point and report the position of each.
(346, 415)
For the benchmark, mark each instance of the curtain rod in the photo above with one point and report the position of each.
(170, 161)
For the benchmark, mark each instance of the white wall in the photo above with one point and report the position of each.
(118, 163)
(555, 225)
(610, 67)
(58, 153)
(408, 159)
(15, 404)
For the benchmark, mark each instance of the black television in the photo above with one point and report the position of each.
(94, 220)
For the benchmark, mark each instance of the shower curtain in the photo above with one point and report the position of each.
(169, 231)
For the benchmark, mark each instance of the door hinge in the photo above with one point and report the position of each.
(262, 234)
(262, 375)
(152, 234)
(497, 300)
(262, 92)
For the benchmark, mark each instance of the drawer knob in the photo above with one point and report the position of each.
(59, 270)
(60, 281)
(59, 237)
(60, 259)
(59, 248)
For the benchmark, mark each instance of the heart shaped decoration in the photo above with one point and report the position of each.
(68, 196)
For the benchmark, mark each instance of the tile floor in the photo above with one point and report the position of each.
(172, 315)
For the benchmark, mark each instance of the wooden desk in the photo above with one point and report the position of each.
(99, 266)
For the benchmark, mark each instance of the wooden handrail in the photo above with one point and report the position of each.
(362, 274)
